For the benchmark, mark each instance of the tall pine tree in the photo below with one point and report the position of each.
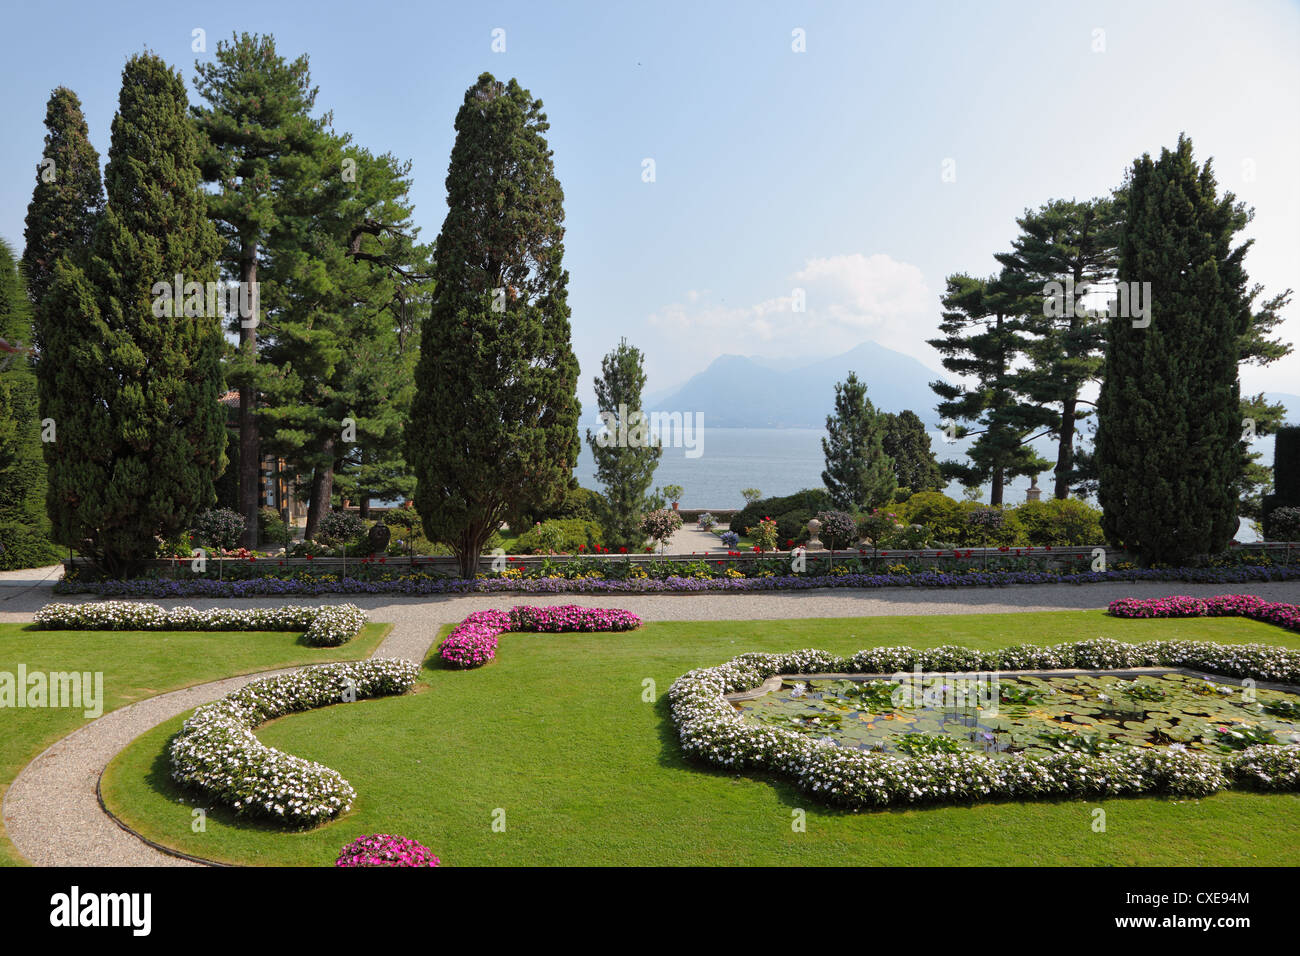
(69, 196)
(858, 472)
(132, 385)
(1169, 449)
(262, 148)
(984, 331)
(494, 424)
(1073, 244)
(626, 454)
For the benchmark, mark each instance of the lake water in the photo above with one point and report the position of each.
(781, 461)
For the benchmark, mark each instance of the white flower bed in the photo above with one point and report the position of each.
(712, 729)
(217, 752)
(327, 626)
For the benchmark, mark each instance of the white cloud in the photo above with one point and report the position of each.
(848, 299)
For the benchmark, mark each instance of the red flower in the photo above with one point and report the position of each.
(582, 548)
(622, 550)
(309, 557)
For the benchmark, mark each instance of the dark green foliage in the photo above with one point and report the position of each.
(984, 330)
(565, 535)
(907, 443)
(218, 528)
(1073, 244)
(266, 153)
(1169, 447)
(24, 529)
(140, 434)
(68, 198)
(578, 502)
(626, 454)
(858, 472)
(807, 502)
(273, 530)
(1286, 480)
(494, 423)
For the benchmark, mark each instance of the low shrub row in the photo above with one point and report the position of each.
(474, 641)
(711, 729)
(327, 626)
(217, 753)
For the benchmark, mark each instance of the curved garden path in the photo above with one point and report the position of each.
(52, 812)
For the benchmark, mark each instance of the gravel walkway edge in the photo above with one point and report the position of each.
(53, 813)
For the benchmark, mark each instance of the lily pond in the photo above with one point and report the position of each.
(1089, 713)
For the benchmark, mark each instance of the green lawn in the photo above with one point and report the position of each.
(555, 733)
(135, 665)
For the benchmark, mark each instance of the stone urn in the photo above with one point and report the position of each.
(814, 542)
(378, 537)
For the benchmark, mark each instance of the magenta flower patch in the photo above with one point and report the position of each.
(1225, 605)
(384, 849)
(474, 641)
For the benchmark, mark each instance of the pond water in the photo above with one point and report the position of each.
(997, 715)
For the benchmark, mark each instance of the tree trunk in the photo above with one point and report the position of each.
(322, 489)
(995, 488)
(1065, 449)
(363, 504)
(250, 454)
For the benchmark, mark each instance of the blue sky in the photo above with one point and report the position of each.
(774, 170)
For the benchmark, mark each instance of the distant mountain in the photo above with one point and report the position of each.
(740, 392)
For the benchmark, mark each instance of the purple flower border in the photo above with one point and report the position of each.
(419, 585)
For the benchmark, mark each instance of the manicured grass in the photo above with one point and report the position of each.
(135, 665)
(556, 734)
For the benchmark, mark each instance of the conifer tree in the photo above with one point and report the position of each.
(494, 424)
(24, 529)
(132, 385)
(1169, 449)
(906, 442)
(984, 332)
(68, 198)
(263, 149)
(626, 454)
(1073, 245)
(858, 472)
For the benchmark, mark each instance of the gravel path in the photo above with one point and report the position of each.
(53, 816)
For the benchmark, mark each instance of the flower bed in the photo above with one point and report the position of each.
(730, 580)
(384, 849)
(327, 626)
(474, 641)
(217, 752)
(711, 729)
(1225, 605)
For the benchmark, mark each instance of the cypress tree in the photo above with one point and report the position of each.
(24, 529)
(494, 424)
(1169, 449)
(628, 457)
(906, 442)
(132, 385)
(858, 472)
(68, 198)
